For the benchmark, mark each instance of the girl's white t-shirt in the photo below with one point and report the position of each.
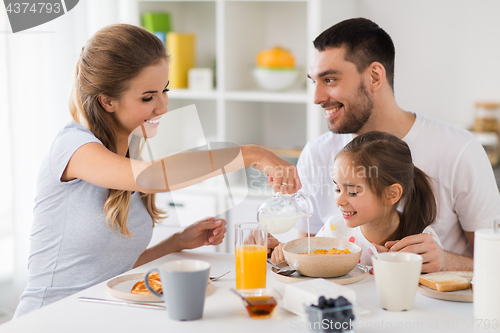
(335, 227)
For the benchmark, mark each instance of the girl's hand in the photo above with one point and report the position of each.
(272, 242)
(379, 248)
(278, 256)
(281, 175)
(209, 231)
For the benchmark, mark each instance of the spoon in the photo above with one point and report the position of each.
(375, 252)
(286, 271)
(218, 277)
(243, 298)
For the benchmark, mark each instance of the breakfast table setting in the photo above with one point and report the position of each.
(322, 287)
(225, 312)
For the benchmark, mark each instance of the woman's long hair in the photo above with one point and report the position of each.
(110, 60)
(388, 161)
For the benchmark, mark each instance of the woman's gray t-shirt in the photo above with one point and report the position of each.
(71, 247)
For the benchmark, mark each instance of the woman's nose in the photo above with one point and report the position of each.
(162, 108)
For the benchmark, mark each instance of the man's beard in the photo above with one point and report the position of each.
(358, 114)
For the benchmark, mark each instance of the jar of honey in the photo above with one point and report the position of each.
(486, 119)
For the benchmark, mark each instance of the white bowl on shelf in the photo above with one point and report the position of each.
(275, 79)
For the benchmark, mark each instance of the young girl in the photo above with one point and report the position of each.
(374, 176)
(92, 220)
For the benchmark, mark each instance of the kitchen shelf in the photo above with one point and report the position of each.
(192, 94)
(265, 96)
(297, 96)
(229, 34)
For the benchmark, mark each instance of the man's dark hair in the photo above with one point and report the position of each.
(364, 41)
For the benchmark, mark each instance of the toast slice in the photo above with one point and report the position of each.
(445, 282)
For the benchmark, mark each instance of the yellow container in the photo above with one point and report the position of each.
(181, 48)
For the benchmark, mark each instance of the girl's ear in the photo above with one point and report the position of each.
(106, 102)
(393, 193)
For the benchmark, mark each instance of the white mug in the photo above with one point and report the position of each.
(396, 277)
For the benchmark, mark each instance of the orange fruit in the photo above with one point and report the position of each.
(276, 57)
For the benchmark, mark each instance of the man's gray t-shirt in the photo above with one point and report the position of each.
(71, 247)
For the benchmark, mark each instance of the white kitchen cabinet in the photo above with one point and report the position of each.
(229, 34)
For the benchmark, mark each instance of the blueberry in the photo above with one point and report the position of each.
(322, 302)
(331, 303)
(347, 313)
(342, 301)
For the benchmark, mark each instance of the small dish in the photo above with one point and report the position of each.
(465, 295)
(275, 78)
(260, 303)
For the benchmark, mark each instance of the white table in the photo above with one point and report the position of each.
(224, 312)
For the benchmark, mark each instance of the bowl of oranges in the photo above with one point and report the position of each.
(275, 69)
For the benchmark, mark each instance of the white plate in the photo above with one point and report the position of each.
(358, 273)
(457, 296)
(122, 285)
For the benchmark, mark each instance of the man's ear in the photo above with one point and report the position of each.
(107, 103)
(377, 75)
(392, 194)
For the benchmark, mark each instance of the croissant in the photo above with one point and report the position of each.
(154, 282)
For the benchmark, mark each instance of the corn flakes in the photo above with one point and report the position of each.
(331, 251)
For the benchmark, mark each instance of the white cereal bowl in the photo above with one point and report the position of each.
(275, 79)
(321, 265)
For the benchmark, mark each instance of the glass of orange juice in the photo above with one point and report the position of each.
(251, 255)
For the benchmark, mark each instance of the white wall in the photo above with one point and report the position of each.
(40, 66)
(447, 53)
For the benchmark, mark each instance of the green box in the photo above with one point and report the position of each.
(156, 21)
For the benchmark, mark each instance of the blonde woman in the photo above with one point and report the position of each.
(93, 219)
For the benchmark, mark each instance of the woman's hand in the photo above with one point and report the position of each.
(281, 175)
(209, 231)
(277, 256)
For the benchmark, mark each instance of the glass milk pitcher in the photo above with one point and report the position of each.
(281, 212)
